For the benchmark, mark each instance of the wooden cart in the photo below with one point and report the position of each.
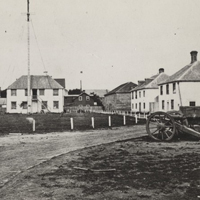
(164, 126)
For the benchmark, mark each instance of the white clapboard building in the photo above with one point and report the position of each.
(47, 95)
(144, 97)
(182, 88)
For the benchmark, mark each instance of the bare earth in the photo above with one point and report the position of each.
(92, 165)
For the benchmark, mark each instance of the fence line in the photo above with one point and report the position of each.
(109, 113)
(125, 113)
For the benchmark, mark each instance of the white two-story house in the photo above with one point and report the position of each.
(46, 95)
(182, 88)
(144, 97)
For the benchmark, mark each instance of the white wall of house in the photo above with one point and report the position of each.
(36, 105)
(171, 100)
(145, 99)
(190, 93)
(184, 95)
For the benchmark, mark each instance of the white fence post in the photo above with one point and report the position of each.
(92, 122)
(72, 123)
(124, 119)
(109, 120)
(136, 120)
(33, 125)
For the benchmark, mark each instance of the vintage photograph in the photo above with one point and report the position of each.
(99, 100)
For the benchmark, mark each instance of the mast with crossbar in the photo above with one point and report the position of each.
(28, 75)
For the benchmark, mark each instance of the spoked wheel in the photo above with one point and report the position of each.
(161, 126)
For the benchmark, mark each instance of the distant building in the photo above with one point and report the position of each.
(61, 81)
(182, 88)
(81, 101)
(144, 97)
(119, 98)
(46, 95)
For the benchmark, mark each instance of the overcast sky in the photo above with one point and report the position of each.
(111, 41)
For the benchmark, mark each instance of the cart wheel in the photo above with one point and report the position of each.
(161, 126)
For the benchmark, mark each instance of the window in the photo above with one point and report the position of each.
(55, 104)
(144, 105)
(132, 105)
(41, 92)
(87, 98)
(80, 98)
(44, 105)
(132, 95)
(174, 88)
(13, 92)
(136, 106)
(172, 104)
(143, 93)
(139, 94)
(192, 103)
(13, 105)
(26, 92)
(161, 90)
(163, 104)
(55, 92)
(167, 89)
(136, 94)
(24, 104)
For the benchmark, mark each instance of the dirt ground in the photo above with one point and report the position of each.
(131, 169)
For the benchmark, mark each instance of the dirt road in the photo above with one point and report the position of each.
(19, 153)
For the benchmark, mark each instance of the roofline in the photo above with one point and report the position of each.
(116, 93)
(148, 88)
(178, 81)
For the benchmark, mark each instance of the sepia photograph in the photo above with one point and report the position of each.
(99, 100)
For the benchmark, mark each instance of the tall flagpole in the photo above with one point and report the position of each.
(28, 76)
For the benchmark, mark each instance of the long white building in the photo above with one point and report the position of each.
(144, 97)
(182, 88)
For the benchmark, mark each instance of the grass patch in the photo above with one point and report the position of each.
(57, 123)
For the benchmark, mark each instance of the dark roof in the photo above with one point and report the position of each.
(61, 81)
(124, 88)
(99, 92)
(37, 82)
(189, 73)
(152, 83)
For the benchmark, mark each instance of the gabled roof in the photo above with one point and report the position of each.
(37, 82)
(61, 81)
(152, 83)
(124, 88)
(189, 73)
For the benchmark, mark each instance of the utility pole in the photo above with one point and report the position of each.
(28, 76)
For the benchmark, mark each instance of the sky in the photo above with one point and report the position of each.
(111, 41)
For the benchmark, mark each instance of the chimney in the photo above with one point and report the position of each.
(193, 56)
(140, 82)
(148, 80)
(161, 70)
